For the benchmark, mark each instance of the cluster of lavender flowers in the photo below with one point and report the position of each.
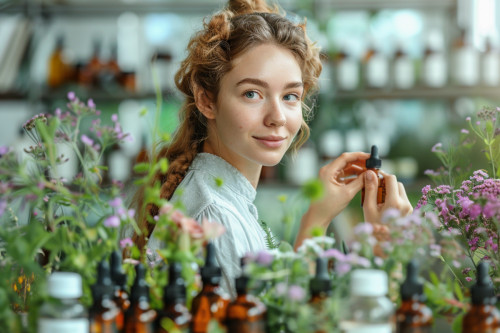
(471, 213)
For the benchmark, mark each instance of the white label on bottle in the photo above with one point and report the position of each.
(51, 325)
(348, 74)
(352, 327)
(377, 72)
(491, 69)
(404, 76)
(466, 67)
(435, 71)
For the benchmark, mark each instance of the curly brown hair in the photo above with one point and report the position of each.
(243, 24)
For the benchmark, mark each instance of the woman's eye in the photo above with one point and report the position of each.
(291, 97)
(251, 94)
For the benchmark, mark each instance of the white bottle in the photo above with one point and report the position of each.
(346, 71)
(403, 70)
(465, 70)
(490, 66)
(434, 66)
(63, 312)
(368, 310)
(376, 68)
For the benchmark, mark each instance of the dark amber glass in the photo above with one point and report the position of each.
(414, 316)
(380, 190)
(481, 318)
(102, 317)
(209, 304)
(122, 302)
(178, 313)
(139, 318)
(246, 314)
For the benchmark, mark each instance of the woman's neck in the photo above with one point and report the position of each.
(249, 170)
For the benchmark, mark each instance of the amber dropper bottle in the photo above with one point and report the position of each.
(174, 301)
(374, 163)
(211, 302)
(413, 316)
(246, 314)
(354, 169)
(103, 312)
(139, 317)
(483, 316)
(320, 287)
(120, 295)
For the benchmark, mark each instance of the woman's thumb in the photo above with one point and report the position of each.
(371, 188)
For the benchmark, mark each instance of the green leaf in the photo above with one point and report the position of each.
(163, 165)
(141, 167)
(219, 181)
(143, 112)
(313, 190)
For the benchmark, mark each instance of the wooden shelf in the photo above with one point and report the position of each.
(384, 4)
(449, 92)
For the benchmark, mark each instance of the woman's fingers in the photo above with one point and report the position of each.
(371, 190)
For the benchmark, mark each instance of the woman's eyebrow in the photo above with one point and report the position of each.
(266, 85)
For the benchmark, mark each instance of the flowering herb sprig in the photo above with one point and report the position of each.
(50, 223)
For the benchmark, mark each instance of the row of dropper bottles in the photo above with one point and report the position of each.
(113, 310)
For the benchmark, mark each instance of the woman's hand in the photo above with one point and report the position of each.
(395, 198)
(337, 194)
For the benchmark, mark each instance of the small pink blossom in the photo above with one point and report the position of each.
(112, 222)
(126, 242)
(296, 293)
(86, 140)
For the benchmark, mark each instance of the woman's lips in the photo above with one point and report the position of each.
(270, 141)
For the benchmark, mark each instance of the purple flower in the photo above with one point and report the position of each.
(296, 293)
(390, 214)
(4, 150)
(114, 117)
(333, 253)
(71, 96)
(86, 140)
(3, 206)
(468, 119)
(426, 189)
(468, 279)
(112, 222)
(264, 258)
(342, 268)
(437, 147)
(90, 103)
(126, 242)
(363, 228)
(464, 131)
(474, 211)
(116, 202)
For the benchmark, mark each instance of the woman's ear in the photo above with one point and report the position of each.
(204, 102)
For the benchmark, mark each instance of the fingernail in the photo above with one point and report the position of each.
(368, 176)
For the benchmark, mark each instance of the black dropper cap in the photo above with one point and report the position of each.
(103, 287)
(483, 292)
(140, 288)
(175, 290)
(412, 288)
(117, 274)
(321, 282)
(374, 162)
(210, 272)
(241, 282)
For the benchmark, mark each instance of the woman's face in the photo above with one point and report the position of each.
(258, 111)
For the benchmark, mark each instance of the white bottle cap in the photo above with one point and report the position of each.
(369, 282)
(64, 285)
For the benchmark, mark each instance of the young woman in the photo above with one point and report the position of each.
(245, 80)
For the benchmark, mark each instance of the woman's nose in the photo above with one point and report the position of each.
(275, 115)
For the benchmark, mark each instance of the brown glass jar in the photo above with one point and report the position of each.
(246, 314)
(483, 316)
(413, 316)
(211, 302)
(174, 301)
(103, 312)
(139, 317)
